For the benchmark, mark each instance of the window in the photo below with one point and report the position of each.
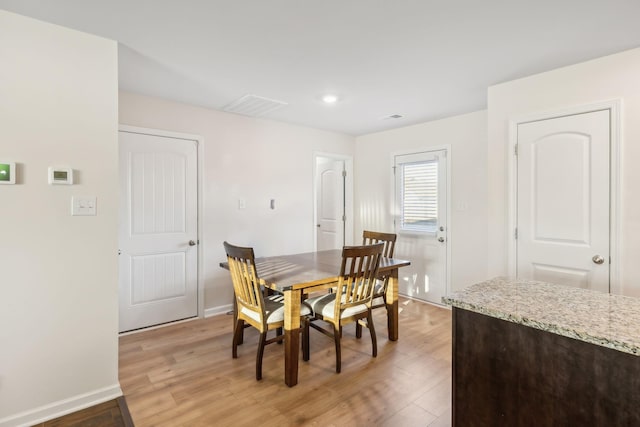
(418, 196)
(419, 210)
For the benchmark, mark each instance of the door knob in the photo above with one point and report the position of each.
(192, 243)
(440, 239)
(597, 259)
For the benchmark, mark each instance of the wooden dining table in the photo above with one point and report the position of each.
(304, 273)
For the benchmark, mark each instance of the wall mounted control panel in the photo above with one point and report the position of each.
(60, 175)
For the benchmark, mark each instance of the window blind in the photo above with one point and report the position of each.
(419, 192)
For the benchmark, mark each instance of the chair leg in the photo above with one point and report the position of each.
(263, 338)
(305, 341)
(336, 337)
(237, 337)
(358, 330)
(372, 330)
(279, 332)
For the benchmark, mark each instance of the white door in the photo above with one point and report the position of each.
(158, 230)
(330, 203)
(421, 223)
(563, 200)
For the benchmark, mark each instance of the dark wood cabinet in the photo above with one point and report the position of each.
(508, 374)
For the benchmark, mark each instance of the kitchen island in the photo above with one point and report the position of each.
(529, 353)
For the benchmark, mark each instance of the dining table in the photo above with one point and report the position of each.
(304, 273)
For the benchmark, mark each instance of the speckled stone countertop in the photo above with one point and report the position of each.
(607, 320)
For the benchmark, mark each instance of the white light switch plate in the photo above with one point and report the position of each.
(83, 205)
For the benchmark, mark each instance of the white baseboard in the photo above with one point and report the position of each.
(215, 311)
(62, 407)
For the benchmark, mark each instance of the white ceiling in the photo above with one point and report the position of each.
(422, 59)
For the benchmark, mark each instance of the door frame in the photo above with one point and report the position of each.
(615, 107)
(199, 194)
(394, 197)
(348, 195)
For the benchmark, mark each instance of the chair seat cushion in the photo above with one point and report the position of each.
(379, 288)
(274, 309)
(325, 305)
(378, 301)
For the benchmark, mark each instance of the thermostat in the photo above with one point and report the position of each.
(60, 175)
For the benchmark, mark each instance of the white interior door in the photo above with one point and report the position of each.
(421, 223)
(563, 200)
(330, 203)
(158, 230)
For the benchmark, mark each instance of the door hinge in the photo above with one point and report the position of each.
(515, 149)
(515, 234)
(344, 218)
(344, 173)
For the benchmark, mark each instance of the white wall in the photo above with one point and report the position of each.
(58, 293)
(249, 158)
(611, 77)
(467, 136)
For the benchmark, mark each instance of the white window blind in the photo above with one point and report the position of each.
(419, 196)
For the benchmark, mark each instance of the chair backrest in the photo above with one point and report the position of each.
(358, 273)
(244, 276)
(389, 240)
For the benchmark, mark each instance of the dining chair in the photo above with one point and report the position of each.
(351, 300)
(264, 313)
(380, 292)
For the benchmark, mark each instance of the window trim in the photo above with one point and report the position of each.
(395, 209)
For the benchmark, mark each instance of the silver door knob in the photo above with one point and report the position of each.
(597, 259)
(192, 243)
(440, 239)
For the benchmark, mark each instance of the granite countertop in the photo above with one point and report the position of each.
(599, 318)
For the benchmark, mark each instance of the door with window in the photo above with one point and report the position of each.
(421, 223)
(158, 229)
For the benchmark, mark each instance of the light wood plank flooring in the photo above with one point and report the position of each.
(184, 375)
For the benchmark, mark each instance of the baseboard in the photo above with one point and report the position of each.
(62, 407)
(216, 311)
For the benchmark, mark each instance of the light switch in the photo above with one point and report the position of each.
(242, 203)
(83, 205)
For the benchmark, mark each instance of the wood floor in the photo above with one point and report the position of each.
(184, 375)
(113, 413)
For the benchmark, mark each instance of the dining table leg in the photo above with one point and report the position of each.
(291, 336)
(392, 305)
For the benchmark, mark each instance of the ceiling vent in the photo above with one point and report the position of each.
(393, 116)
(254, 105)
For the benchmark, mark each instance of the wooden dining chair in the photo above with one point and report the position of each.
(380, 292)
(263, 313)
(351, 300)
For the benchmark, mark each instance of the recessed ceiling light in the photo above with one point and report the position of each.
(330, 98)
